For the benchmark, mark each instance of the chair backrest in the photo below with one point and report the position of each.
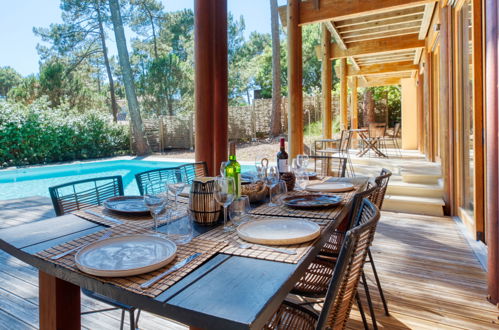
(382, 182)
(345, 141)
(83, 194)
(343, 286)
(368, 192)
(330, 166)
(377, 130)
(193, 170)
(159, 175)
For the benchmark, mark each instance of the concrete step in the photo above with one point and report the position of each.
(413, 204)
(429, 179)
(401, 188)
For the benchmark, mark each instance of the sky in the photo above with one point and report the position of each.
(18, 17)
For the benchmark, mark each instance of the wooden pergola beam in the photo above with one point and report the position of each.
(334, 10)
(381, 45)
(381, 82)
(425, 24)
(382, 68)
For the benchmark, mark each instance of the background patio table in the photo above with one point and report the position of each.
(225, 292)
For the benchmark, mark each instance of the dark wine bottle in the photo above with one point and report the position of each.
(282, 159)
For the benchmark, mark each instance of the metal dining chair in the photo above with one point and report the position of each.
(77, 195)
(393, 138)
(376, 134)
(159, 175)
(342, 289)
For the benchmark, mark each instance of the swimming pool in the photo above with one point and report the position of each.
(35, 181)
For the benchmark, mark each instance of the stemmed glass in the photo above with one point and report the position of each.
(302, 161)
(272, 180)
(224, 193)
(155, 199)
(223, 165)
(175, 184)
(238, 210)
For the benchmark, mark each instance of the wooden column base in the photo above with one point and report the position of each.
(59, 303)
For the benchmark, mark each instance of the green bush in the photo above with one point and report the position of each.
(37, 134)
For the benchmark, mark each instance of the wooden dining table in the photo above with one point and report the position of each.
(226, 291)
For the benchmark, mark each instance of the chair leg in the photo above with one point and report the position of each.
(361, 311)
(369, 301)
(137, 318)
(132, 319)
(122, 319)
(378, 283)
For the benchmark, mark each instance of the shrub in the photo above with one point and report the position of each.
(37, 134)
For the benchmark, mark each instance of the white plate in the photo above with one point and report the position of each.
(126, 255)
(278, 231)
(330, 187)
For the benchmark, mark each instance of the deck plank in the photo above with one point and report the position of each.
(431, 278)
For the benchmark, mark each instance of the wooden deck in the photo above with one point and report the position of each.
(431, 278)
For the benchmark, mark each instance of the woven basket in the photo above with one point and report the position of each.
(290, 179)
(256, 192)
(202, 204)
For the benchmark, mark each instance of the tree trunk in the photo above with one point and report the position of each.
(276, 71)
(142, 147)
(155, 43)
(369, 116)
(114, 104)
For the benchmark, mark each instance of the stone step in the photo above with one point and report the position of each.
(401, 188)
(413, 204)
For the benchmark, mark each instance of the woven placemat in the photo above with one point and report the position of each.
(259, 251)
(132, 283)
(284, 211)
(142, 221)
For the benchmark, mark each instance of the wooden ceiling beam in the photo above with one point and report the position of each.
(343, 9)
(382, 35)
(335, 34)
(372, 19)
(405, 66)
(378, 46)
(425, 25)
(417, 55)
(388, 22)
(380, 29)
(383, 82)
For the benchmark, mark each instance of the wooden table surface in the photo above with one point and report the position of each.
(226, 292)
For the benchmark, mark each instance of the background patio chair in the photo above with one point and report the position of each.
(376, 133)
(342, 149)
(343, 287)
(160, 175)
(83, 194)
(393, 138)
(193, 170)
(330, 166)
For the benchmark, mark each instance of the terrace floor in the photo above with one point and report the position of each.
(431, 278)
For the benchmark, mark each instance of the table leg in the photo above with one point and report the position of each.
(59, 303)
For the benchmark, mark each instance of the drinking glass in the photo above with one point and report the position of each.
(224, 193)
(175, 184)
(223, 165)
(280, 190)
(155, 199)
(294, 165)
(180, 230)
(239, 209)
(301, 179)
(272, 180)
(302, 161)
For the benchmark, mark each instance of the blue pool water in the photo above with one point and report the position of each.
(25, 182)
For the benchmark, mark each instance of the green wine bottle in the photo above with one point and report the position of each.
(233, 169)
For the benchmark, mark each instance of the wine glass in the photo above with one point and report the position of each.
(238, 210)
(280, 190)
(155, 199)
(302, 161)
(301, 179)
(175, 184)
(223, 165)
(272, 180)
(224, 193)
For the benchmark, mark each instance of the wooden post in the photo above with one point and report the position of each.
(210, 48)
(492, 180)
(327, 81)
(355, 106)
(295, 88)
(220, 81)
(59, 303)
(446, 114)
(343, 95)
